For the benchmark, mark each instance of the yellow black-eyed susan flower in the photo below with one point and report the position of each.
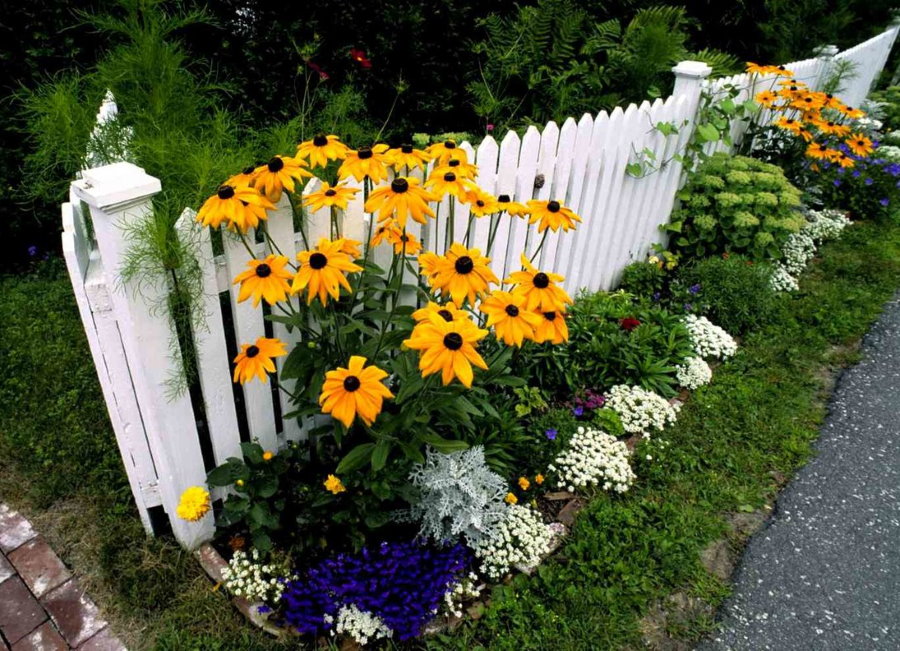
(859, 144)
(268, 279)
(552, 328)
(406, 158)
(322, 149)
(400, 199)
(443, 183)
(462, 273)
(322, 271)
(481, 203)
(539, 288)
(255, 360)
(238, 206)
(366, 162)
(330, 195)
(551, 214)
(279, 174)
(512, 323)
(354, 391)
(448, 348)
(446, 312)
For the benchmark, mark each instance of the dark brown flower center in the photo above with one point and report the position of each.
(225, 192)
(541, 280)
(553, 206)
(453, 340)
(860, 143)
(450, 177)
(453, 163)
(406, 149)
(263, 270)
(318, 260)
(503, 198)
(446, 315)
(512, 310)
(276, 164)
(479, 203)
(330, 193)
(399, 185)
(450, 144)
(252, 351)
(351, 383)
(248, 170)
(464, 265)
(550, 316)
(364, 153)
(320, 140)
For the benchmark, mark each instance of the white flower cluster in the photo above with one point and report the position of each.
(694, 373)
(892, 137)
(869, 124)
(826, 224)
(361, 625)
(798, 250)
(593, 457)
(782, 280)
(640, 410)
(708, 339)
(459, 592)
(521, 539)
(247, 577)
(890, 153)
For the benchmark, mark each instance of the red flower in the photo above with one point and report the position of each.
(360, 57)
(629, 324)
(315, 67)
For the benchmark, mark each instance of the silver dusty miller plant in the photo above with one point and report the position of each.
(458, 495)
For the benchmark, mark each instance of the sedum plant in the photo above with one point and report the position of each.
(735, 204)
(458, 495)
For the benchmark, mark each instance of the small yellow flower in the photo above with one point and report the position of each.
(267, 455)
(239, 482)
(511, 499)
(524, 484)
(194, 504)
(653, 259)
(334, 485)
(538, 479)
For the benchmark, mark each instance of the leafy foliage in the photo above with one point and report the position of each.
(554, 59)
(734, 292)
(735, 204)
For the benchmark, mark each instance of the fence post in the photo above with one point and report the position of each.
(689, 78)
(826, 56)
(119, 197)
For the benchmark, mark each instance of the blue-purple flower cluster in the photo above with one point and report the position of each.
(402, 583)
(874, 180)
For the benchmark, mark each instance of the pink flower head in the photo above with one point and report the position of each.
(360, 57)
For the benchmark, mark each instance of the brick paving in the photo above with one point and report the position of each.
(42, 606)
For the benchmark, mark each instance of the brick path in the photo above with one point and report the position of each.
(42, 607)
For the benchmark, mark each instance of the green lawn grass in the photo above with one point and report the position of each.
(735, 439)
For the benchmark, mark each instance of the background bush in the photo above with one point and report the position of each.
(735, 292)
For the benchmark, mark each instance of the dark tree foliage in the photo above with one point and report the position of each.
(37, 39)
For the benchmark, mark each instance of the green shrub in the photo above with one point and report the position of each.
(889, 109)
(643, 279)
(735, 204)
(734, 292)
(611, 341)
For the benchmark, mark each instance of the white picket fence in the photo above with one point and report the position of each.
(582, 163)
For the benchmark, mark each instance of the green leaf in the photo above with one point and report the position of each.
(441, 444)
(262, 541)
(634, 169)
(380, 454)
(727, 106)
(223, 475)
(707, 133)
(356, 458)
(252, 451)
(666, 128)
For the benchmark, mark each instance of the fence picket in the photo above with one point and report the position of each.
(506, 185)
(567, 244)
(486, 159)
(248, 326)
(565, 159)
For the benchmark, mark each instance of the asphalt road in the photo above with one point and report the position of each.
(825, 572)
